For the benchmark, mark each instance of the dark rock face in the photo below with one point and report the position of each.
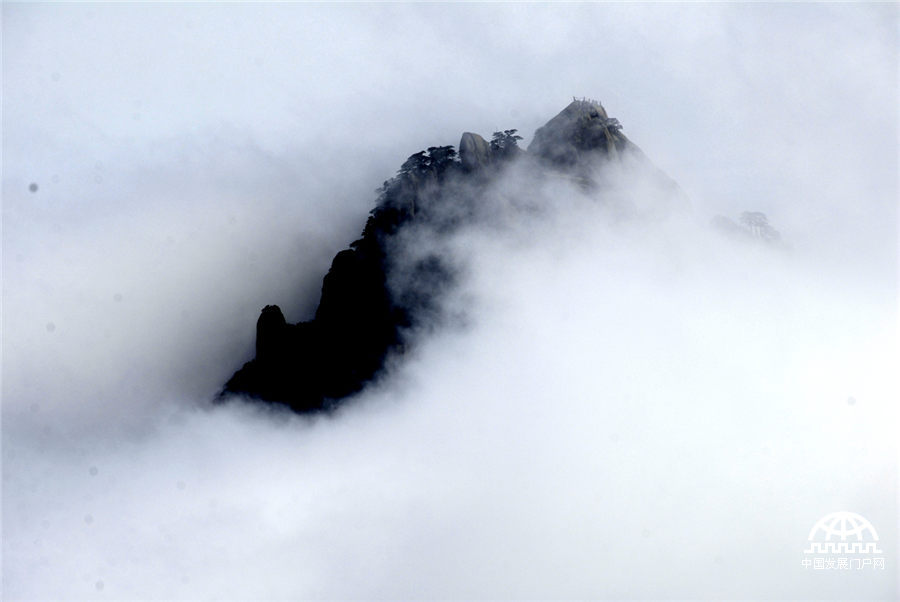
(308, 365)
(373, 297)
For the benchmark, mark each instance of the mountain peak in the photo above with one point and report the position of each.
(373, 296)
(581, 129)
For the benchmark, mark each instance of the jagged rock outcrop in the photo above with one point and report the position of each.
(372, 296)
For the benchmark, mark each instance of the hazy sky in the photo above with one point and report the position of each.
(633, 412)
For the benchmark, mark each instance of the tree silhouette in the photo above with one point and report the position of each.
(416, 163)
(758, 225)
(505, 143)
(441, 157)
(613, 124)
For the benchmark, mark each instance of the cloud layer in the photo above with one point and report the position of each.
(633, 410)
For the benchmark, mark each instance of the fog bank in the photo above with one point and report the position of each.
(630, 409)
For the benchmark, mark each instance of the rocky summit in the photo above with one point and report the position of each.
(576, 135)
(373, 297)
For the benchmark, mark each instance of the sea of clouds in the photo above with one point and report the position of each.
(632, 408)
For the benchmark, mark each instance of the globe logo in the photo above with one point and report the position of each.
(843, 533)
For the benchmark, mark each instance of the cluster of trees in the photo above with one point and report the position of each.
(757, 224)
(437, 159)
(505, 144)
(613, 124)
